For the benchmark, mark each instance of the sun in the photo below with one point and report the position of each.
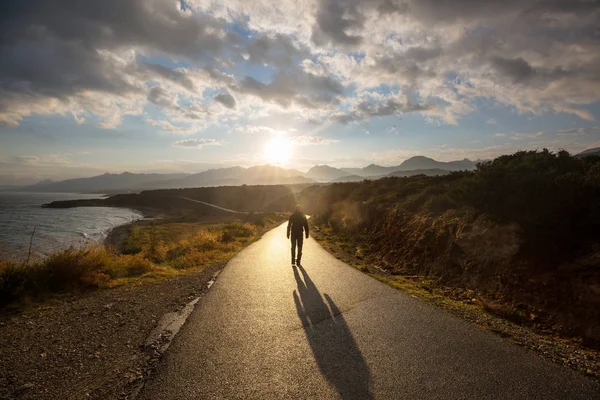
(277, 151)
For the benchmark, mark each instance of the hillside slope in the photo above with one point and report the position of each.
(522, 230)
(325, 173)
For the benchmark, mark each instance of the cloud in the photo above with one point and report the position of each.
(522, 136)
(257, 130)
(333, 20)
(24, 170)
(376, 105)
(87, 60)
(226, 99)
(491, 121)
(315, 59)
(392, 130)
(197, 143)
(308, 140)
(167, 127)
(578, 131)
(515, 69)
(301, 88)
(63, 57)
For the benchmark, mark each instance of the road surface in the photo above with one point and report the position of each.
(269, 331)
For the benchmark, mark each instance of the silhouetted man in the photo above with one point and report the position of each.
(296, 224)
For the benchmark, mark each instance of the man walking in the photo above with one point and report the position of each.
(296, 224)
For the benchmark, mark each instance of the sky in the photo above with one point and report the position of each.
(89, 87)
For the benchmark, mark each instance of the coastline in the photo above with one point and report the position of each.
(117, 235)
(95, 344)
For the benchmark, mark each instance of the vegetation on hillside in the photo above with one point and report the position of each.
(149, 252)
(248, 198)
(521, 229)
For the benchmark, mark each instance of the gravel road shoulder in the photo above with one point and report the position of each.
(91, 345)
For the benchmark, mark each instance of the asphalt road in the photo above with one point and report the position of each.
(269, 331)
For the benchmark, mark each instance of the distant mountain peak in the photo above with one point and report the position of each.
(325, 173)
(419, 158)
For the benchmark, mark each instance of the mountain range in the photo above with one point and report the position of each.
(130, 182)
(258, 175)
(417, 164)
(113, 182)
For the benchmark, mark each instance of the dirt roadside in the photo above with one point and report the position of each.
(90, 345)
(568, 352)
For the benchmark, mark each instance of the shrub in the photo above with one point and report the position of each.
(14, 280)
(233, 231)
(133, 242)
(175, 245)
(439, 203)
(553, 197)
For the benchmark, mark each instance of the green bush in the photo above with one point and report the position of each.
(553, 197)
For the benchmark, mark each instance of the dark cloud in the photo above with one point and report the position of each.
(55, 48)
(515, 69)
(300, 87)
(226, 99)
(334, 18)
(113, 24)
(82, 58)
(64, 49)
(157, 96)
(41, 65)
(391, 106)
(275, 50)
(174, 75)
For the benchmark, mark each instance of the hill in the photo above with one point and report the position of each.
(595, 151)
(521, 231)
(325, 173)
(174, 202)
(421, 162)
(377, 170)
(412, 164)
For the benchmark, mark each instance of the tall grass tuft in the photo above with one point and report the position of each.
(159, 250)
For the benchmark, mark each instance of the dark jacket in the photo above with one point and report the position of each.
(296, 223)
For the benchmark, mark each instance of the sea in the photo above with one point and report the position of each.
(55, 229)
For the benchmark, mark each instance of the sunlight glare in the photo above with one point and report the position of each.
(277, 150)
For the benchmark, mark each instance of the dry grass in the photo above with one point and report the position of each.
(151, 253)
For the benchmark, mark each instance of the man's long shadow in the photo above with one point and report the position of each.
(331, 341)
